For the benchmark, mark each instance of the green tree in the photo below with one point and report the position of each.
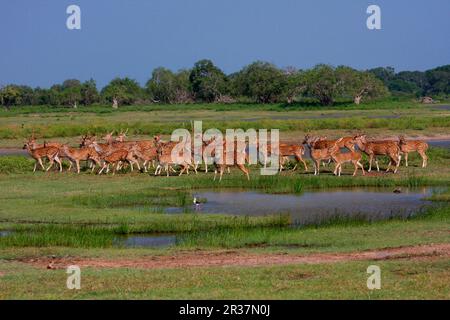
(124, 91)
(208, 82)
(359, 84)
(295, 83)
(10, 95)
(70, 92)
(89, 93)
(385, 74)
(438, 81)
(261, 81)
(162, 85)
(323, 84)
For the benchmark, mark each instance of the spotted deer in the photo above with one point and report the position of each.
(340, 158)
(82, 154)
(380, 148)
(408, 146)
(238, 158)
(51, 153)
(116, 157)
(317, 155)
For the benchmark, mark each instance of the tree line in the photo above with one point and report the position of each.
(259, 82)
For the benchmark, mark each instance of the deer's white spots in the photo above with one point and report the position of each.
(74, 278)
(374, 280)
(374, 20)
(73, 22)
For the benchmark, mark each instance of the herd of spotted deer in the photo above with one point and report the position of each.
(117, 152)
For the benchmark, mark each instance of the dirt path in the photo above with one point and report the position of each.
(243, 258)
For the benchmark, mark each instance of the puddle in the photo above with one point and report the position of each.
(316, 206)
(14, 152)
(148, 241)
(439, 143)
(5, 233)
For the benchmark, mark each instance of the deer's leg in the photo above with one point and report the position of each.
(356, 168)
(317, 167)
(424, 158)
(41, 164)
(221, 173)
(51, 164)
(102, 168)
(59, 163)
(336, 168)
(77, 163)
(370, 162)
(145, 165)
(35, 166)
(361, 166)
(244, 170)
(406, 158)
(299, 158)
(389, 165)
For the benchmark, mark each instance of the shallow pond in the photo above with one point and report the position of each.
(316, 206)
(145, 240)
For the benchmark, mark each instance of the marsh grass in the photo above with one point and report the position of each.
(304, 104)
(87, 236)
(150, 197)
(295, 236)
(71, 129)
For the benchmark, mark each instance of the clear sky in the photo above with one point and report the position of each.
(132, 37)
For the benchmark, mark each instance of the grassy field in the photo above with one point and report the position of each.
(145, 121)
(79, 216)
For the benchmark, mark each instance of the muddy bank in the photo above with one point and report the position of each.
(243, 258)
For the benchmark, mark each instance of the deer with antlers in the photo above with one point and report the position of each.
(340, 158)
(81, 154)
(379, 148)
(39, 153)
(408, 146)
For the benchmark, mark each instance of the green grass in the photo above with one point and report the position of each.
(51, 130)
(402, 279)
(397, 103)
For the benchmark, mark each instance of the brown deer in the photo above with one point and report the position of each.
(51, 153)
(340, 158)
(81, 154)
(317, 155)
(380, 148)
(220, 160)
(165, 161)
(408, 146)
(116, 157)
(147, 156)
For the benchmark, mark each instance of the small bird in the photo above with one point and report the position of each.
(196, 202)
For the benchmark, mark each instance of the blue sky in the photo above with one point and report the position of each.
(131, 38)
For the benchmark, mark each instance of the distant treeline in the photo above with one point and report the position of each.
(259, 82)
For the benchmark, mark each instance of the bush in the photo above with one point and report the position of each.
(15, 164)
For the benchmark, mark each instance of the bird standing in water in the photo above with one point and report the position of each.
(196, 203)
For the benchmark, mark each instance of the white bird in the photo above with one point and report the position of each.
(196, 203)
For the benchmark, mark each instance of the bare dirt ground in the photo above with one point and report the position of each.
(242, 258)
